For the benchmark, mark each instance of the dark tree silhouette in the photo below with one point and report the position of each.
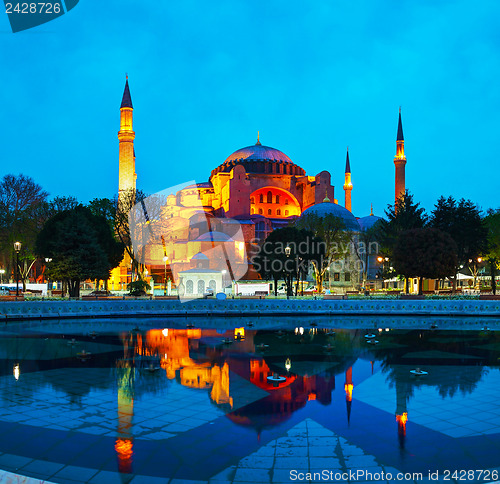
(492, 255)
(463, 222)
(425, 253)
(81, 246)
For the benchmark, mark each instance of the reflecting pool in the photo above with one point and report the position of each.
(251, 400)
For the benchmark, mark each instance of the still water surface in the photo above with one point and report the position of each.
(192, 399)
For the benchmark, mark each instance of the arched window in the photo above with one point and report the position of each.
(269, 212)
(189, 287)
(286, 201)
(260, 211)
(278, 212)
(201, 286)
(252, 200)
(277, 199)
(269, 197)
(252, 211)
(261, 198)
(212, 285)
(286, 213)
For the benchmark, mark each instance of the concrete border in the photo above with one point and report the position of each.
(32, 310)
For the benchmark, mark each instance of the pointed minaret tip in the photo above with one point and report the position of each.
(127, 99)
(371, 210)
(258, 138)
(400, 127)
(326, 199)
(347, 163)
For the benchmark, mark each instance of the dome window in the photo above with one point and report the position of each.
(286, 201)
(269, 197)
(277, 199)
(260, 211)
(269, 212)
(278, 212)
(261, 198)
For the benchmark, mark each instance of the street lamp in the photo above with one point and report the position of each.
(17, 248)
(47, 261)
(287, 252)
(165, 259)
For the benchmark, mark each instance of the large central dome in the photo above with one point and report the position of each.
(257, 153)
(260, 159)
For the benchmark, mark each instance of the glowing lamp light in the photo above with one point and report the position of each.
(287, 250)
(241, 245)
(480, 259)
(165, 332)
(17, 246)
(288, 364)
(239, 333)
(380, 259)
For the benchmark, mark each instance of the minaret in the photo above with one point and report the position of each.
(126, 136)
(400, 160)
(347, 184)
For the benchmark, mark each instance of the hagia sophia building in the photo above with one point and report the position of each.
(258, 186)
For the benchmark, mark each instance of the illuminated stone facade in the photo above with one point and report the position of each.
(257, 186)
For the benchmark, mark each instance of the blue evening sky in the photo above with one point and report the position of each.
(313, 77)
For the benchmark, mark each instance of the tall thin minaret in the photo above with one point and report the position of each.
(348, 184)
(126, 136)
(400, 160)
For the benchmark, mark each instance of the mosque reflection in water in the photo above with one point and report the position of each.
(307, 361)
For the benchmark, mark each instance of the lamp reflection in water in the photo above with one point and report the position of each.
(17, 371)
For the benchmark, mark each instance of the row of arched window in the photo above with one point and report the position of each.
(269, 198)
(270, 212)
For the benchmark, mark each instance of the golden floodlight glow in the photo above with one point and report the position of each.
(239, 333)
(165, 332)
(348, 391)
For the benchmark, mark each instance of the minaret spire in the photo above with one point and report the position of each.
(400, 160)
(258, 138)
(126, 136)
(348, 184)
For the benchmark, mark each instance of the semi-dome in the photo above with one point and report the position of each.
(368, 222)
(329, 208)
(260, 159)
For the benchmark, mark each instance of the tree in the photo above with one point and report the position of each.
(133, 212)
(425, 253)
(286, 254)
(20, 202)
(332, 231)
(404, 215)
(492, 255)
(463, 222)
(81, 246)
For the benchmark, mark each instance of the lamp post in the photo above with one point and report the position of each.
(2, 272)
(287, 252)
(17, 248)
(165, 259)
(47, 261)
